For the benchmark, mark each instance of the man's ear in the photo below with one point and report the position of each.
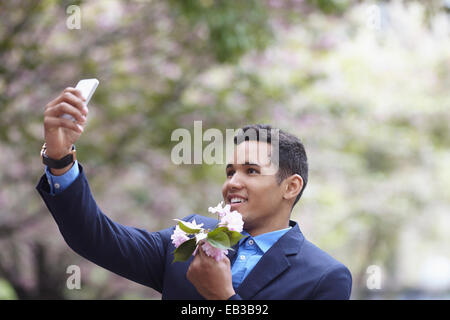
(293, 186)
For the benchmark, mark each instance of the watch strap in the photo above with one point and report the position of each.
(58, 163)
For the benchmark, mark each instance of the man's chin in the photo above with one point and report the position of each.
(245, 216)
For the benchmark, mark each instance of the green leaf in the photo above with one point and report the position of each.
(218, 238)
(218, 229)
(184, 251)
(187, 229)
(234, 237)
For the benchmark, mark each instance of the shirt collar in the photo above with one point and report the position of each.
(266, 240)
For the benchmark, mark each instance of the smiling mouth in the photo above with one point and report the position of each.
(236, 202)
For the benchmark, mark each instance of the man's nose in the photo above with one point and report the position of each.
(236, 181)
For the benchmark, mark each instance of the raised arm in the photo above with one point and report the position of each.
(133, 253)
(130, 252)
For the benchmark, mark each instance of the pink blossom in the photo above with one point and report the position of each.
(178, 237)
(233, 221)
(221, 211)
(214, 252)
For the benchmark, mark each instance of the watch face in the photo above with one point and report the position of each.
(44, 147)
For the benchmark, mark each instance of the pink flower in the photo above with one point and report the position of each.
(214, 252)
(178, 237)
(221, 211)
(233, 221)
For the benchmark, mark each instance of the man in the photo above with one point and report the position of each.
(274, 261)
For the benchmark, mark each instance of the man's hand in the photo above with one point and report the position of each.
(211, 278)
(61, 133)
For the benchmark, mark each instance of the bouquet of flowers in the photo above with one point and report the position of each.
(217, 242)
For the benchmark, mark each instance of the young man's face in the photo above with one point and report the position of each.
(251, 185)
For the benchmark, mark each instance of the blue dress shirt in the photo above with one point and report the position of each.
(59, 183)
(251, 249)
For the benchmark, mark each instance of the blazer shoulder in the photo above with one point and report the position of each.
(318, 258)
(333, 278)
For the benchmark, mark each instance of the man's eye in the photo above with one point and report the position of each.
(249, 171)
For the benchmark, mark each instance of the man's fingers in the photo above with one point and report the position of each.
(56, 122)
(65, 108)
(76, 92)
(201, 254)
(226, 260)
(71, 99)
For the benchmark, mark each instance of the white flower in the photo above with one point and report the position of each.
(221, 211)
(200, 236)
(190, 225)
(233, 221)
(193, 225)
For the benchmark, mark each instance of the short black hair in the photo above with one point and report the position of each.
(292, 156)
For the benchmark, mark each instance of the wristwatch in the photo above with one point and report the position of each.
(60, 163)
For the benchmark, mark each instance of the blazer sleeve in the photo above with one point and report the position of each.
(335, 284)
(133, 253)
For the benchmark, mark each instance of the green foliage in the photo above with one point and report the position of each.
(234, 27)
(184, 251)
(6, 291)
(234, 237)
(186, 228)
(331, 6)
(218, 238)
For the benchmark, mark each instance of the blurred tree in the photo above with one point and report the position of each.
(307, 66)
(145, 54)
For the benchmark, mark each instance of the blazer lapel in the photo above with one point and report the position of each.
(272, 263)
(232, 253)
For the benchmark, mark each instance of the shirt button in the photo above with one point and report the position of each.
(57, 185)
(251, 242)
(242, 257)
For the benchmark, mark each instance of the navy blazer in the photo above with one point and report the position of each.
(293, 268)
